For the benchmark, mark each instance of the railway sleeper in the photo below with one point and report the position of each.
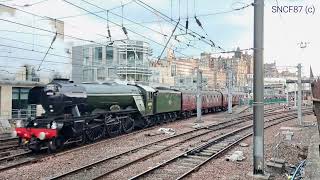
(193, 160)
(188, 164)
(209, 151)
(202, 153)
(202, 158)
(156, 147)
(214, 149)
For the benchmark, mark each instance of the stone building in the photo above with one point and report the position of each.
(270, 70)
(181, 71)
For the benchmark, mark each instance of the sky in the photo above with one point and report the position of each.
(282, 31)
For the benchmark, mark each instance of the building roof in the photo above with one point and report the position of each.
(20, 83)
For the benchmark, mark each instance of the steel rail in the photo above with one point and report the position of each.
(231, 145)
(212, 142)
(207, 130)
(35, 159)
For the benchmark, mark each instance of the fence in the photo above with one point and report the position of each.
(19, 114)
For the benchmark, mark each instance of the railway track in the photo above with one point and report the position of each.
(8, 144)
(15, 160)
(141, 153)
(11, 157)
(186, 163)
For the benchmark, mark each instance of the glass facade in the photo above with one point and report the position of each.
(20, 106)
(101, 74)
(109, 54)
(127, 60)
(88, 75)
(97, 55)
(86, 56)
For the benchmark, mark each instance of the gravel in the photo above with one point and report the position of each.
(57, 164)
(289, 151)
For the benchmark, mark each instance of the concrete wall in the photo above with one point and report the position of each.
(77, 61)
(5, 101)
(6, 96)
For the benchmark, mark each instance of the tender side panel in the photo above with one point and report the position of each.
(167, 101)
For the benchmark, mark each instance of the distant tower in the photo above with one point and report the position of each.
(238, 53)
(170, 55)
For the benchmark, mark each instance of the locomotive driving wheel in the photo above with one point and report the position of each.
(113, 127)
(52, 145)
(95, 132)
(151, 121)
(127, 124)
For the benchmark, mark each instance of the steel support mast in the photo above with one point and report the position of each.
(229, 90)
(295, 95)
(258, 90)
(299, 95)
(199, 97)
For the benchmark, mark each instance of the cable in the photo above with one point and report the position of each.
(39, 2)
(44, 17)
(168, 40)
(171, 8)
(23, 42)
(73, 37)
(20, 32)
(124, 29)
(34, 51)
(53, 62)
(83, 14)
(151, 9)
(122, 17)
(118, 25)
(53, 40)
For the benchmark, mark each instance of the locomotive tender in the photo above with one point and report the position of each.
(90, 111)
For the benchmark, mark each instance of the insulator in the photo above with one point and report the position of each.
(124, 30)
(198, 22)
(214, 45)
(109, 33)
(187, 24)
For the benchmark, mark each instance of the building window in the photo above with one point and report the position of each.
(111, 72)
(173, 70)
(109, 54)
(98, 54)
(131, 57)
(20, 106)
(88, 75)
(85, 56)
(101, 74)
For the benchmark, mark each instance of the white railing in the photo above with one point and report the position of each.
(18, 114)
